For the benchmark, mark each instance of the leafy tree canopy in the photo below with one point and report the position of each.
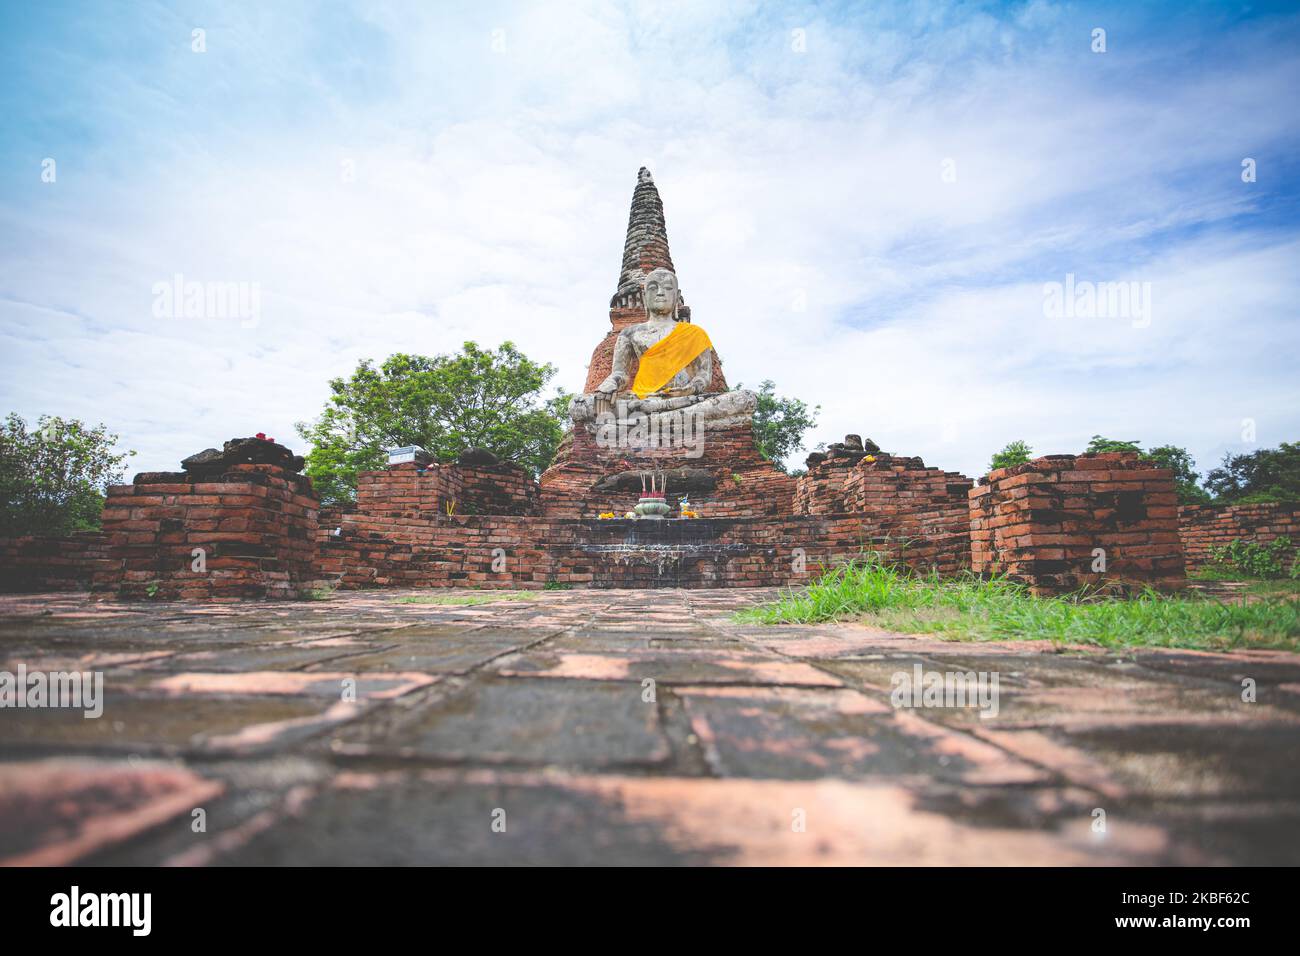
(52, 479)
(1015, 453)
(1270, 474)
(475, 398)
(1100, 445)
(780, 423)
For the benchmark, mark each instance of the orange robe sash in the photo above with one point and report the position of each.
(661, 362)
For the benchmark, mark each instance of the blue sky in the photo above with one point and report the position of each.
(402, 177)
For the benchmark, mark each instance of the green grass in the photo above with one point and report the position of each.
(1246, 583)
(1214, 573)
(970, 609)
(1276, 588)
(486, 597)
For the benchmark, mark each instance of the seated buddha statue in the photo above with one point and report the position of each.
(674, 367)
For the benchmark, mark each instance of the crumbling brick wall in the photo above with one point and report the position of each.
(330, 517)
(1054, 523)
(529, 552)
(255, 525)
(881, 484)
(51, 562)
(1203, 527)
(408, 488)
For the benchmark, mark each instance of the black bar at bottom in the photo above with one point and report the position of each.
(336, 905)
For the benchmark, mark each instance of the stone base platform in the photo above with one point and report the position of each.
(729, 478)
(507, 551)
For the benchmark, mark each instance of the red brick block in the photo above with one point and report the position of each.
(1080, 506)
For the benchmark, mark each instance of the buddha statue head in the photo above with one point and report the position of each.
(659, 293)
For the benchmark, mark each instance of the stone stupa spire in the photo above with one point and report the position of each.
(644, 250)
(646, 246)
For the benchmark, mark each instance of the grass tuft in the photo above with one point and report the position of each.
(972, 609)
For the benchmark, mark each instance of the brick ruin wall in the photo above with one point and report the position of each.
(506, 551)
(501, 489)
(50, 562)
(1203, 527)
(256, 525)
(888, 485)
(330, 517)
(1042, 522)
(259, 527)
(748, 535)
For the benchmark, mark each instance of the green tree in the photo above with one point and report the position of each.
(1270, 474)
(52, 479)
(1016, 453)
(475, 398)
(1178, 460)
(780, 423)
(1100, 445)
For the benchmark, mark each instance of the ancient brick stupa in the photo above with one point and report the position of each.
(686, 422)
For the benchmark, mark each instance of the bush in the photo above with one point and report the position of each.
(446, 404)
(780, 423)
(52, 478)
(1277, 559)
(1016, 453)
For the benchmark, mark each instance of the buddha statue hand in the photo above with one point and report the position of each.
(607, 389)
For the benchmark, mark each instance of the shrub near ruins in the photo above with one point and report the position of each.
(446, 404)
(52, 479)
(1276, 559)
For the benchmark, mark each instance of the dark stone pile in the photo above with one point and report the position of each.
(852, 449)
(211, 464)
(477, 458)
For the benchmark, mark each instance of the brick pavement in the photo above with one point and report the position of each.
(623, 727)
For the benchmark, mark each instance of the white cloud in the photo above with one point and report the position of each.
(490, 196)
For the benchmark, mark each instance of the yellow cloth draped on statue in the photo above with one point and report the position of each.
(663, 360)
